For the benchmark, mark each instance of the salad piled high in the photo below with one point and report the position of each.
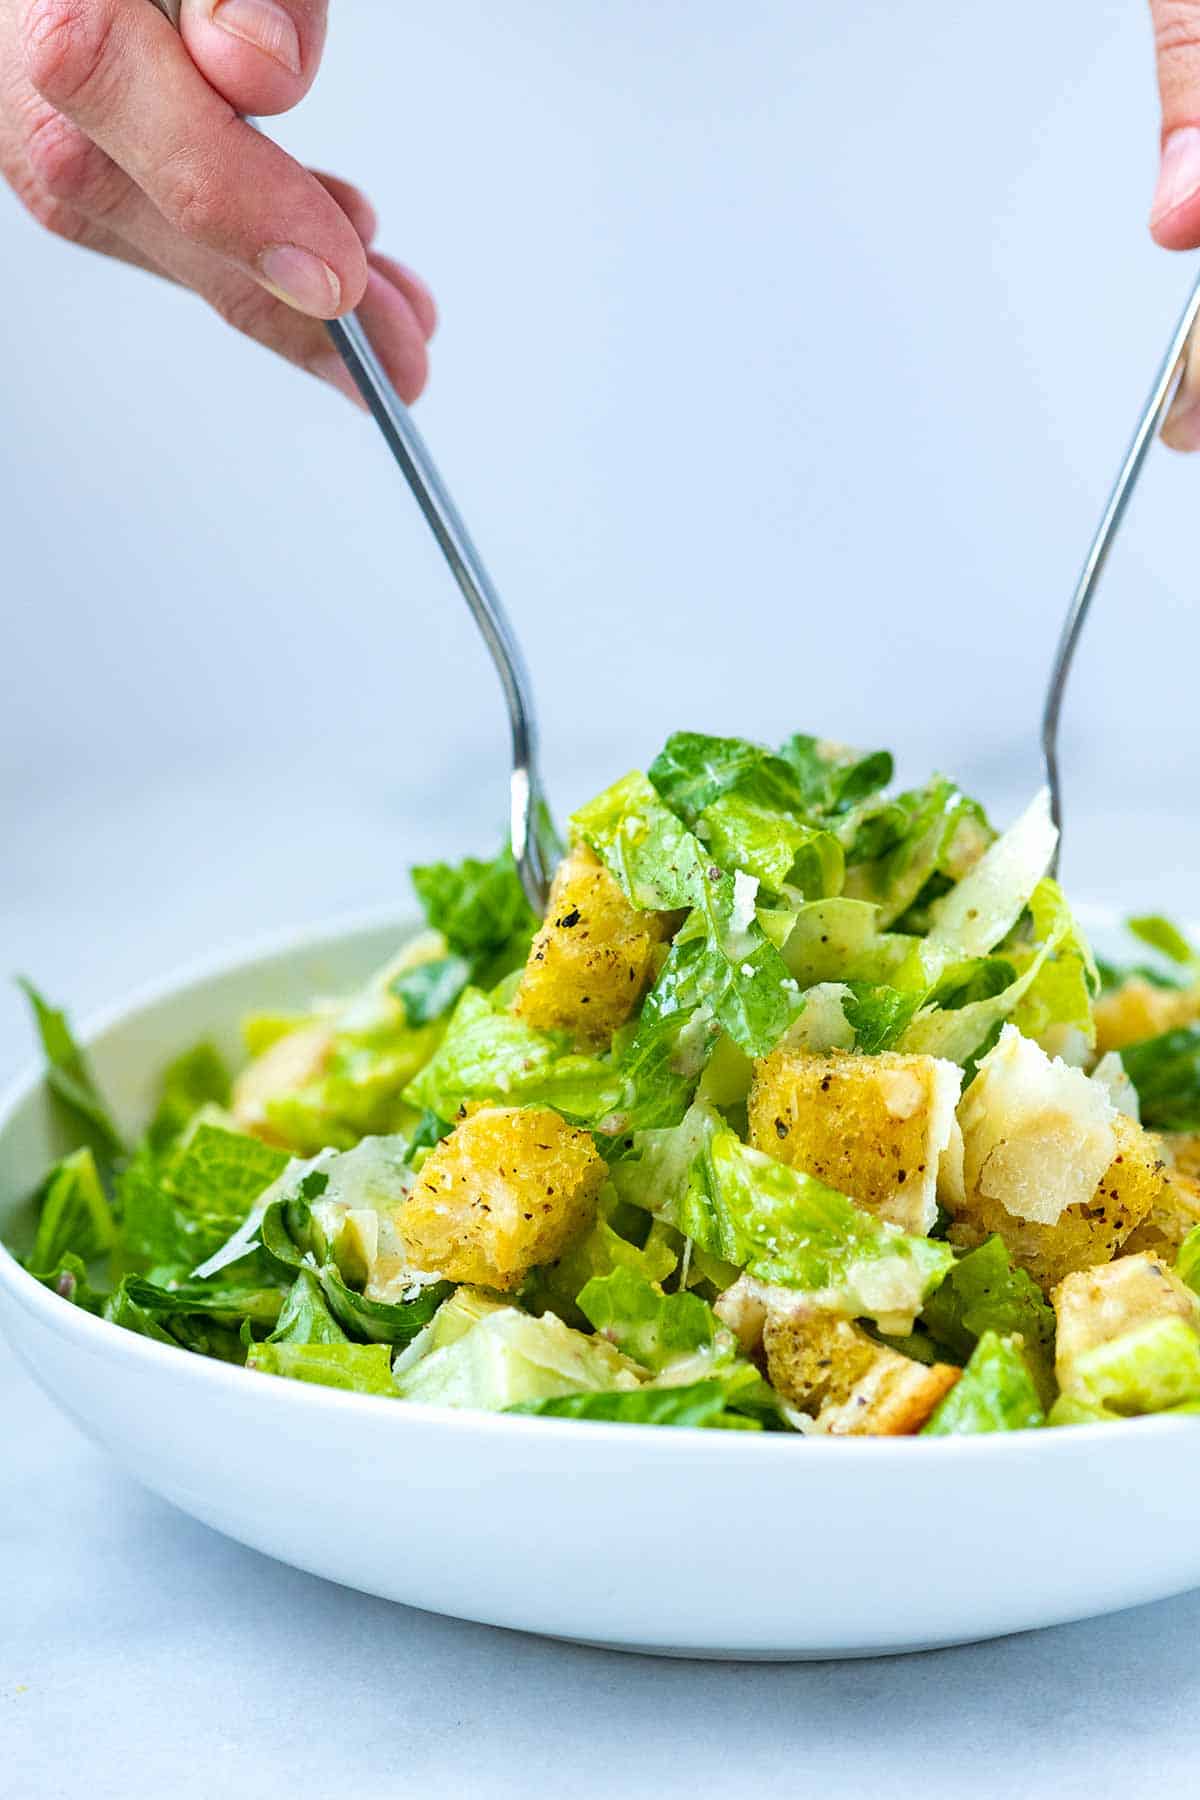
(806, 1108)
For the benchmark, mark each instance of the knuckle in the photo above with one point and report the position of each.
(1176, 27)
(65, 164)
(193, 198)
(67, 45)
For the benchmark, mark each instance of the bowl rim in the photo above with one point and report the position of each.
(102, 1336)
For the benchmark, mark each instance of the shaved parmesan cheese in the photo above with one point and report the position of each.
(1037, 1135)
(1110, 1073)
(988, 901)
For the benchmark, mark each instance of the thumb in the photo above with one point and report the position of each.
(261, 55)
(1175, 213)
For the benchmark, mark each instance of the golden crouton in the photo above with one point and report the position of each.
(874, 1127)
(506, 1191)
(1182, 1151)
(852, 1386)
(1096, 1305)
(1175, 1212)
(1138, 1009)
(292, 1061)
(594, 956)
(1083, 1234)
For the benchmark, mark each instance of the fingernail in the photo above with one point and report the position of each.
(1179, 172)
(1181, 427)
(270, 28)
(301, 279)
(332, 369)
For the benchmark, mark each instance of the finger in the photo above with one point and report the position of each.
(1175, 212)
(413, 289)
(354, 204)
(262, 55)
(395, 331)
(123, 76)
(1181, 427)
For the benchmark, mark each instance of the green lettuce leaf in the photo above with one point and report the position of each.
(197, 1078)
(910, 849)
(429, 989)
(702, 1403)
(612, 1242)
(653, 1328)
(780, 1225)
(748, 808)
(380, 1321)
(70, 1079)
(657, 862)
(995, 1392)
(1166, 938)
(1150, 1369)
(305, 1317)
(229, 1302)
(832, 779)
(354, 1368)
(177, 1211)
(481, 910)
(1067, 981)
(985, 1292)
(1165, 1070)
(488, 1054)
(73, 1214)
(1187, 1261)
(487, 1355)
(69, 1280)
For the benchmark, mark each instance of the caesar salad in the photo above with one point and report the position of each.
(806, 1108)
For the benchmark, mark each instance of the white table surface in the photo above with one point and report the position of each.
(142, 1654)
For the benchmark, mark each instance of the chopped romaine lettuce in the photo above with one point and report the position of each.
(70, 1079)
(902, 850)
(984, 1291)
(657, 862)
(427, 990)
(483, 1354)
(1146, 1370)
(702, 1403)
(196, 1079)
(1165, 1070)
(355, 1368)
(1166, 938)
(653, 1328)
(481, 911)
(995, 1392)
(488, 1054)
(73, 1214)
(832, 779)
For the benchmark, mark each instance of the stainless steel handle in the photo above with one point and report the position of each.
(1093, 567)
(531, 831)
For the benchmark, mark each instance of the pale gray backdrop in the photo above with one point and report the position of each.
(787, 352)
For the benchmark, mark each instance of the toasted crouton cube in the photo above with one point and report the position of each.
(1182, 1151)
(1138, 1009)
(506, 1191)
(594, 956)
(1049, 1163)
(292, 1061)
(1175, 1212)
(1093, 1306)
(852, 1386)
(874, 1127)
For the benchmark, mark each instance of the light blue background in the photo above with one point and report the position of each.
(787, 353)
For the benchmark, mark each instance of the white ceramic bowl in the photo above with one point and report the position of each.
(694, 1542)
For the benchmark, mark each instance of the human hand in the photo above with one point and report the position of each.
(1175, 211)
(121, 135)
